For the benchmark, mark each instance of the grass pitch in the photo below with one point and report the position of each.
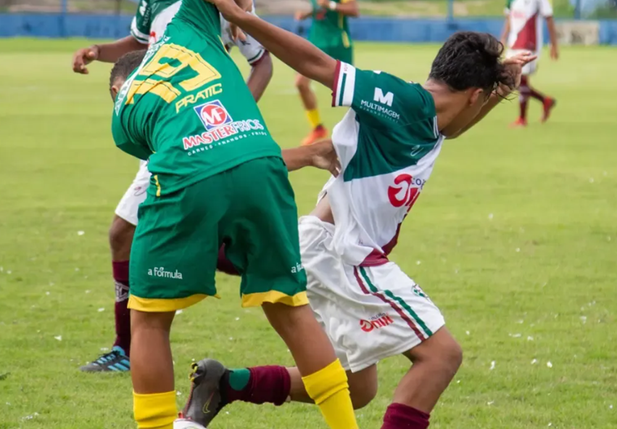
(514, 238)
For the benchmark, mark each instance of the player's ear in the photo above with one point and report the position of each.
(475, 95)
(114, 91)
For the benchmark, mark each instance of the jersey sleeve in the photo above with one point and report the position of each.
(546, 8)
(140, 26)
(123, 138)
(380, 98)
(251, 49)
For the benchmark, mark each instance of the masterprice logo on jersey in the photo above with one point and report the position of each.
(213, 115)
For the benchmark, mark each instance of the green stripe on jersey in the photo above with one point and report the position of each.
(399, 300)
(342, 91)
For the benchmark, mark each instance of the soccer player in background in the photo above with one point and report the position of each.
(387, 143)
(329, 32)
(148, 26)
(523, 31)
(217, 178)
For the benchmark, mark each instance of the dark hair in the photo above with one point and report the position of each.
(125, 66)
(471, 60)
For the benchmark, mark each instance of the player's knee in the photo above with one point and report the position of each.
(121, 236)
(360, 398)
(441, 351)
(302, 83)
(453, 356)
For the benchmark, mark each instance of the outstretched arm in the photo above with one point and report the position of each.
(293, 50)
(506, 30)
(319, 155)
(107, 53)
(552, 32)
(261, 73)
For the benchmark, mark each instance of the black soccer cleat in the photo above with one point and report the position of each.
(206, 398)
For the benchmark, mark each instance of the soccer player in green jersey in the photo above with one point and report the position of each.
(217, 178)
(148, 26)
(330, 33)
(388, 143)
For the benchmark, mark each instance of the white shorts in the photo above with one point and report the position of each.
(135, 195)
(529, 68)
(369, 313)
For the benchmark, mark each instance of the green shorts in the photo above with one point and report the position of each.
(251, 209)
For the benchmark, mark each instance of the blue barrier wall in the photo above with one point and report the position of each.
(366, 28)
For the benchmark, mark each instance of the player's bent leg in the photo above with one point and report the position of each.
(362, 386)
(121, 234)
(323, 375)
(435, 362)
(154, 396)
(173, 261)
(274, 279)
(120, 239)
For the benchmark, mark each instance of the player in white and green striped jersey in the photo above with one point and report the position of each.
(387, 143)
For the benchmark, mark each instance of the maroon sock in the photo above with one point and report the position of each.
(399, 416)
(223, 264)
(523, 97)
(123, 315)
(535, 94)
(257, 385)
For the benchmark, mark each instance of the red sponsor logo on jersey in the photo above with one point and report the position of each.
(377, 322)
(213, 114)
(405, 190)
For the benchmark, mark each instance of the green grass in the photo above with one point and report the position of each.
(461, 8)
(514, 238)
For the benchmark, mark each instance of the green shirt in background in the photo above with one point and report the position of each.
(330, 29)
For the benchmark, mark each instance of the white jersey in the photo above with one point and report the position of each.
(153, 16)
(387, 144)
(526, 23)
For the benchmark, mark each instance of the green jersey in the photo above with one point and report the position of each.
(186, 108)
(144, 26)
(329, 28)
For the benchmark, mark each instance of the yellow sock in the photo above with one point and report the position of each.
(313, 118)
(329, 389)
(155, 410)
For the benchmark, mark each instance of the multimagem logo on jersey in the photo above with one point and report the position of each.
(213, 114)
(161, 272)
(376, 322)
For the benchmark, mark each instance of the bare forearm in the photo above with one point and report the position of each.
(260, 76)
(111, 52)
(493, 101)
(349, 9)
(298, 157)
(293, 50)
(506, 31)
(552, 31)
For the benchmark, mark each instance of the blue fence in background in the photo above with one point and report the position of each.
(366, 28)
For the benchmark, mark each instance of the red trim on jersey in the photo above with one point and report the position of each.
(376, 257)
(264, 55)
(390, 303)
(527, 38)
(337, 72)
